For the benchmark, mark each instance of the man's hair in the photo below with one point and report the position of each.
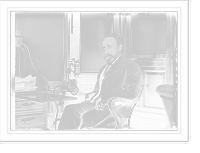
(117, 38)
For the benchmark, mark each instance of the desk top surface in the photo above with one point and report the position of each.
(44, 97)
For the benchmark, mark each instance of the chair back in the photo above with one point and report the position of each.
(135, 101)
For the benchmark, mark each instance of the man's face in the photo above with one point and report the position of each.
(111, 49)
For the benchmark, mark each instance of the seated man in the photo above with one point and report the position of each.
(119, 77)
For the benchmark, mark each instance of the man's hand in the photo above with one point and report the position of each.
(98, 104)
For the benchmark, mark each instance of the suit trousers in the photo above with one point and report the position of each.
(84, 115)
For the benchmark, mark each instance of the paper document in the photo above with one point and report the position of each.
(27, 83)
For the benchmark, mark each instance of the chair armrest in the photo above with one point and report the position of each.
(89, 95)
(120, 108)
(113, 101)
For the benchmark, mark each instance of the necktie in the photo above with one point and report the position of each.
(109, 66)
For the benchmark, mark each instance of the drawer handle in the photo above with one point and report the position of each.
(28, 104)
(28, 119)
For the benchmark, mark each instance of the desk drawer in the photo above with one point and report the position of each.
(30, 120)
(29, 105)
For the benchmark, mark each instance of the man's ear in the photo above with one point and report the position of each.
(120, 47)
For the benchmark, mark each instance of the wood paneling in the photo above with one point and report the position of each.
(153, 80)
(171, 56)
(150, 112)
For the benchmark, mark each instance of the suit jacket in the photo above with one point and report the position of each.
(123, 79)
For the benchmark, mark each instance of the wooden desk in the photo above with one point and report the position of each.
(31, 108)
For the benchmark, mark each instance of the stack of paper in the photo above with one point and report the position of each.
(25, 84)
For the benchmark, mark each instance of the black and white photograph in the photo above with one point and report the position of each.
(86, 72)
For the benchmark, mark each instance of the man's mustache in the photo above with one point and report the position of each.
(108, 56)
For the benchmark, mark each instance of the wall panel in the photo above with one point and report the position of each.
(44, 34)
(149, 33)
(93, 28)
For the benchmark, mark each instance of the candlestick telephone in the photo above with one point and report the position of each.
(69, 85)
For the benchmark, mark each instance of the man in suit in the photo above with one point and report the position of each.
(119, 77)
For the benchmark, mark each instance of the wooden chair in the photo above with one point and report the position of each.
(122, 109)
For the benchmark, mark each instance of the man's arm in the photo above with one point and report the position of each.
(131, 84)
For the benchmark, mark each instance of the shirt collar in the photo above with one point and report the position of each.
(114, 61)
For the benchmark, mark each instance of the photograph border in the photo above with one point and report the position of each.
(181, 134)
